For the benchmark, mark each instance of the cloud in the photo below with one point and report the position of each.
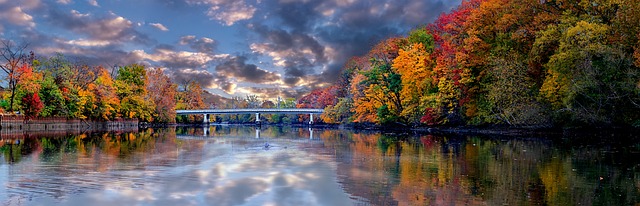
(273, 92)
(227, 11)
(237, 67)
(113, 28)
(15, 15)
(93, 3)
(305, 43)
(341, 28)
(202, 77)
(204, 45)
(159, 26)
(298, 53)
(179, 59)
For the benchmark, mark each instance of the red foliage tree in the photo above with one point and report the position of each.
(31, 104)
(319, 98)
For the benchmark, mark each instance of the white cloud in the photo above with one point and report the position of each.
(77, 14)
(64, 1)
(93, 3)
(159, 26)
(227, 11)
(186, 39)
(88, 43)
(179, 57)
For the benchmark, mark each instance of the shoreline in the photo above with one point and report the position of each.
(486, 130)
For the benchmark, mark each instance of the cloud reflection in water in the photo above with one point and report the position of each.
(247, 177)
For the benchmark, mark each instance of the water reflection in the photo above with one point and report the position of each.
(232, 165)
(433, 170)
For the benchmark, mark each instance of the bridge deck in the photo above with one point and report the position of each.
(250, 111)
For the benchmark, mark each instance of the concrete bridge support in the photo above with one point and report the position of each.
(206, 119)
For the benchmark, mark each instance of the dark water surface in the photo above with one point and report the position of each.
(234, 165)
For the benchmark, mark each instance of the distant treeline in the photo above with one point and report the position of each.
(510, 62)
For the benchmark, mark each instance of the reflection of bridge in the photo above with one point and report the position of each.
(257, 111)
(206, 133)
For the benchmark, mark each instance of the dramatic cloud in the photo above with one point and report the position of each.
(298, 53)
(159, 26)
(204, 45)
(334, 31)
(237, 68)
(266, 47)
(227, 11)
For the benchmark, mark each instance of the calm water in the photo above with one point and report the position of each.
(227, 165)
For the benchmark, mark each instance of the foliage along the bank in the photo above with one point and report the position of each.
(527, 63)
(56, 87)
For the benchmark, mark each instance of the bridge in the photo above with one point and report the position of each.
(257, 111)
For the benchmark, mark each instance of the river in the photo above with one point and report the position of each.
(240, 165)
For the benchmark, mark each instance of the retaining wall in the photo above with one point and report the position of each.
(11, 125)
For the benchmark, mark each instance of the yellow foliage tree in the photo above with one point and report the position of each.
(364, 107)
(414, 66)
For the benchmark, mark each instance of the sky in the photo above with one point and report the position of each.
(267, 48)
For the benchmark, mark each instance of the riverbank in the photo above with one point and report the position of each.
(18, 125)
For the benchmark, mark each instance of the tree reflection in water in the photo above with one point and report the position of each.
(228, 165)
(457, 170)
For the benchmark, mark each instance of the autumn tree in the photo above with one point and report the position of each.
(27, 90)
(31, 104)
(59, 93)
(319, 98)
(414, 65)
(382, 85)
(14, 57)
(587, 80)
(131, 89)
(190, 97)
(162, 91)
(340, 113)
(101, 97)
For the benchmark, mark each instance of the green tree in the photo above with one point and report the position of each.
(131, 89)
(53, 100)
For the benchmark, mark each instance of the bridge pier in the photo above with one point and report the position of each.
(206, 119)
